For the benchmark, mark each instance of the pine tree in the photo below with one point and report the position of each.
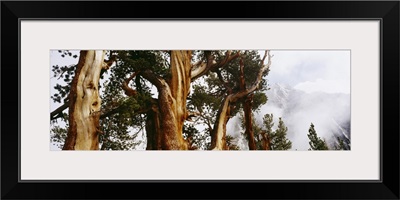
(267, 134)
(316, 143)
(340, 146)
(268, 123)
(279, 140)
(231, 143)
(123, 104)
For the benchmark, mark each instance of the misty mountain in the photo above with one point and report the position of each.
(329, 112)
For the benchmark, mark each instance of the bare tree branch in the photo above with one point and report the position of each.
(57, 112)
(153, 78)
(228, 58)
(128, 90)
(211, 64)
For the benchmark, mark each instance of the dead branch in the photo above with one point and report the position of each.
(128, 90)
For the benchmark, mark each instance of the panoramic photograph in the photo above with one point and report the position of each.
(268, 100)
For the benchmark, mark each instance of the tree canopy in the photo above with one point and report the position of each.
(177, 100)
(316, 143)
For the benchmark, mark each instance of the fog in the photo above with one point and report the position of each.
(301, 109)
(317, 108)
(306, 87)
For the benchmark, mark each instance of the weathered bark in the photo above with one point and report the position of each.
(266, 141)
(172, 96)
(58, 111)
(248, 121)
(84, 107)
(247, 104)
(180, 84)
(219, 131)
(153, 130)
(125, 86)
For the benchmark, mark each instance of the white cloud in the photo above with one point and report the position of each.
(297, 66)
(328, 86)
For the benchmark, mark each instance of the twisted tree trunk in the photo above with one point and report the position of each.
(172, 94)
(218, 133)
(84, 99)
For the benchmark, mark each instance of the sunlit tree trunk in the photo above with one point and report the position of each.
(84, 99)
(172, 94)
(218, 133)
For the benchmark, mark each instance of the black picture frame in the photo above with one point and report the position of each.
(386, 11)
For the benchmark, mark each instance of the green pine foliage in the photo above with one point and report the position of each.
(340, 145)
(123, 118)
(268, 122)
(316, 143)
(196, 140)
(231, 143)
(279, 140)
(58, 135)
